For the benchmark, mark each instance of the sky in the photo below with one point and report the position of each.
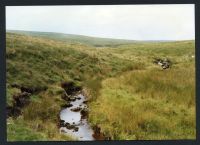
(134, 22)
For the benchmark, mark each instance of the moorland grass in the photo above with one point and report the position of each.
(39, 62)
(150, 104)
(130, 97)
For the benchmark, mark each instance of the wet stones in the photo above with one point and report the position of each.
(65, 97)
(71, 126)
(67, 105)
(85, 101)
(79, 98)
(61, 123)
(77, 109)
(84, 113)
(76, 129)
(72, 98)
(67, 125)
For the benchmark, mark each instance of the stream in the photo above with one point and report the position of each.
(72, 117)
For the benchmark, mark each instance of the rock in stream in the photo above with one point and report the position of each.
(74, 124)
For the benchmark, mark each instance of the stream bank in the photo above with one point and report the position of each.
(73, 117)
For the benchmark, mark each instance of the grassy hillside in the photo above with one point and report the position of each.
(149, 103)
(40, 62)
(71, 38)
(130, 97)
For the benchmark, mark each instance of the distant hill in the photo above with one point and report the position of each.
(72, 38)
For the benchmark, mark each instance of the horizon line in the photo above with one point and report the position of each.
(101, 37)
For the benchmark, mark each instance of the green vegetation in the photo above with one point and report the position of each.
(71, 38)
(147, 105)
(150, 103)
(130, 97)
(21, 130)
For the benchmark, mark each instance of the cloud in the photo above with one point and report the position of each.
(138, 22)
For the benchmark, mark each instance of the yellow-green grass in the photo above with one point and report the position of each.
(39, 62)
(48, 62)
(130, 97)
(147, 105)
(39, 119)
(36, 130)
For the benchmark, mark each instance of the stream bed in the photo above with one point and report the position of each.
(77, 126)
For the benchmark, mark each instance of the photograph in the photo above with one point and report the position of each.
(100, 72)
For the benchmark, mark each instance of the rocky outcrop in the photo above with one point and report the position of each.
(164, 63)
(77, 109)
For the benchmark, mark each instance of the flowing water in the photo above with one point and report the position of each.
(84, 132)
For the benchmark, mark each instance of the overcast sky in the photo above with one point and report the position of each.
(136, 22)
